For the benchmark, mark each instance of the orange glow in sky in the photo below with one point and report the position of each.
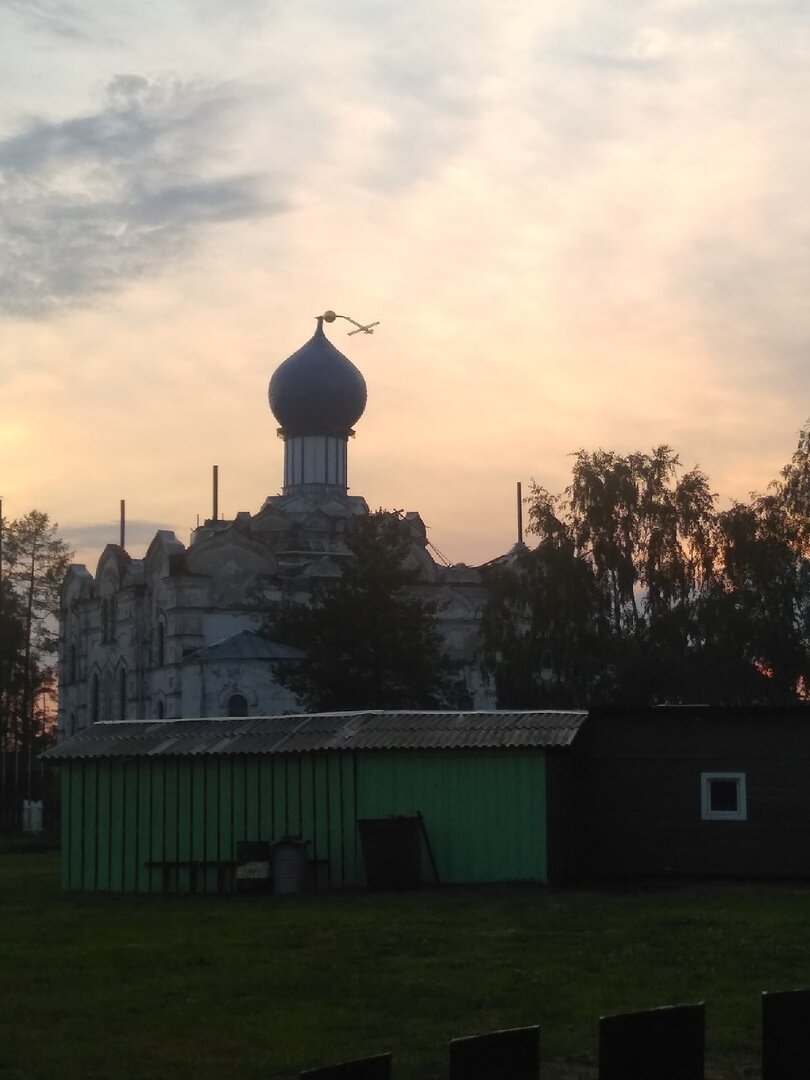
(578, 224)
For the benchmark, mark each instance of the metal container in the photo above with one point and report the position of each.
(32, 816)
(290, 865)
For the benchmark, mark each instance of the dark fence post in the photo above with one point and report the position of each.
(657, 1044)
(371, 1068)
(513, 1054)
(786, 1035)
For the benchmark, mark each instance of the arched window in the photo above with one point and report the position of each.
(122, 694)
(94, 700)
(107, 696)
(72, 724)
(105, 621)
(72, 665)
(160, 658)
(237, 705)
(159, 709)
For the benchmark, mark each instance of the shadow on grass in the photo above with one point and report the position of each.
(171, 987)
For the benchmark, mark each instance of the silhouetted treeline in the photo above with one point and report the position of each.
(641, 591)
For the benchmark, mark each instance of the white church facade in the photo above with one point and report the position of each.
(178, 633)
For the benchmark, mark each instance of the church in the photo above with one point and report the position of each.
(177, 633)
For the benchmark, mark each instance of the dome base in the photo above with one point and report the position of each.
(315, 460)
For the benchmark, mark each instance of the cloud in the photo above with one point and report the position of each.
(93, 202)
(433, 100)
(748, 296)
(59, 18)
(99, 534)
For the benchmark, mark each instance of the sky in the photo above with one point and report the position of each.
(580, 224)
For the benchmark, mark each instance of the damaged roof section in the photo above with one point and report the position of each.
(369, 730)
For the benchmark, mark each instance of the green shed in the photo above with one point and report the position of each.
(173, 805)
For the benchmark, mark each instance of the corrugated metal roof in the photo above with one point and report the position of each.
(372, 730)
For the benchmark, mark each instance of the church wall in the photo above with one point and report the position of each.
(99, 653)
(207, 687)
(133, 643)
(124, 653)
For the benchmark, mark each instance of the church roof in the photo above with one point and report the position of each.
(341, 731)
(246, 645)
(317, 390)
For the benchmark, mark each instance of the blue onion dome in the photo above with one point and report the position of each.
(317, 390)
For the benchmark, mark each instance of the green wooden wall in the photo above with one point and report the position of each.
(485, 814)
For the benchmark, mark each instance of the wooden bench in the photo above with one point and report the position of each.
(194, 867)
(223, 867)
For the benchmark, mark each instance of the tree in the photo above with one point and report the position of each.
(641, 591)
(792, 496)
(644, 531)
(754, 620)
(370, 643)
(34, 562)
(544, 628)
(12, 656)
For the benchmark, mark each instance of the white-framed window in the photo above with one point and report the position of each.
(722, 796)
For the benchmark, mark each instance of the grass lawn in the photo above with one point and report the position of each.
(115, 987)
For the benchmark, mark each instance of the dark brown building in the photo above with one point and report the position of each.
(691, 790)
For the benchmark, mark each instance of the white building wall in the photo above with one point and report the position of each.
(193, 598)
(207, 687)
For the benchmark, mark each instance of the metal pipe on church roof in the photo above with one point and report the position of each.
(123, 522)
(215, 514)
(520, 512)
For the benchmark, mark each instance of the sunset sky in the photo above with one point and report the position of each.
(579, 223)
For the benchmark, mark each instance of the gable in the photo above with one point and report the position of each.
(230, 555)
